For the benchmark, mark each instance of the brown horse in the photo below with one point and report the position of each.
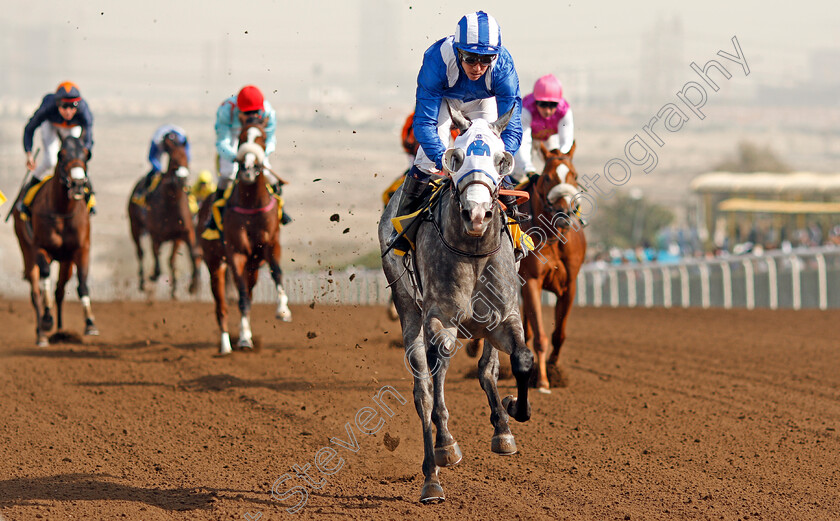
(59, 231)
(167, 216)
(250, 237)
(555, 263)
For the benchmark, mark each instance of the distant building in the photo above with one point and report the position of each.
(767, 208)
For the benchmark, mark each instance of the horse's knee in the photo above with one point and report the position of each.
(521, 361)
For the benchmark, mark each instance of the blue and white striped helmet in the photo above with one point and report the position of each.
(478, 33)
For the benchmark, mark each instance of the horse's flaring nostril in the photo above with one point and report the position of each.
(465, 215)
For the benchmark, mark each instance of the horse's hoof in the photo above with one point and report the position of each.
(544, 388)
(245, 343)
(91, 331)
(43, 342)
(432, 493)
(46, 323)
(448, 456)
(284, 315)
(225, 350)
(504, 445)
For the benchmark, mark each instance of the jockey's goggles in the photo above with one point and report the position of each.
(68, 104)
(547, 104)
(472, 59)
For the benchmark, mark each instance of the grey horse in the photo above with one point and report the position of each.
(467, 287)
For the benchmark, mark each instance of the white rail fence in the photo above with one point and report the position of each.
(794, 280)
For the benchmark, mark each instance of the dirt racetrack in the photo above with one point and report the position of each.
(670, 414)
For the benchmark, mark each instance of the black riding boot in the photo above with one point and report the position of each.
(278, 190)
(22, 208)
(412, 193)
(220, 192)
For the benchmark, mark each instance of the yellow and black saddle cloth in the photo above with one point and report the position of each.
(211, 233)
(409, 223)
(139, 197)
(30, 194)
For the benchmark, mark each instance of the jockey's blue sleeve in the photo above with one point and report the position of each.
(431, 84)
(224, 125)
(154, 156)
(270, 128)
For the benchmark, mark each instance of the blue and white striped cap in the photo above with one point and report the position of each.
(478, 33)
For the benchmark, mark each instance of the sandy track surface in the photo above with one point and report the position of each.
(679, 414)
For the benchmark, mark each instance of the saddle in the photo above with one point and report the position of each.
(218, 206)
(140, 200)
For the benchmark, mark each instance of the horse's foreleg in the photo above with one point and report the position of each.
(561, 317)
(156, 255)
(82, 262)
(195, 258)
(33, 275)
(44, 283)
(510, 338)
(136, 235)
(65, 271)
(283, 312)
(238, 262)
(217, 286)
(416, 362)
(488, 376)
(443, 344)
(173, 269)
(532, 315)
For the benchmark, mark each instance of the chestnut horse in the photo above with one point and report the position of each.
(167, 216)
(249, 238)
(555, 263)
(59, 231)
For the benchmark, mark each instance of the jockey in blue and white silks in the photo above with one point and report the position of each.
(156, 146)
(473, 73)
(228, 126)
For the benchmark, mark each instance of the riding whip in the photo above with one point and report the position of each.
(22, 184)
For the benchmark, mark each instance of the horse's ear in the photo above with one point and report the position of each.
(458, 119)
(504, 162)
(571, 152)
(500, 124)
(453, 160)
(87, 155)
(543, 150)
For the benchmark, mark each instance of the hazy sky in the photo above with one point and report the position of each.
(210, 48)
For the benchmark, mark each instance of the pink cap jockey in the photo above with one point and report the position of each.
(546, 117)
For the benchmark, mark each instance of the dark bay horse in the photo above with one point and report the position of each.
(167, 217)
(468, 288)
(555, 263)
(250, 237)
(59, 231)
